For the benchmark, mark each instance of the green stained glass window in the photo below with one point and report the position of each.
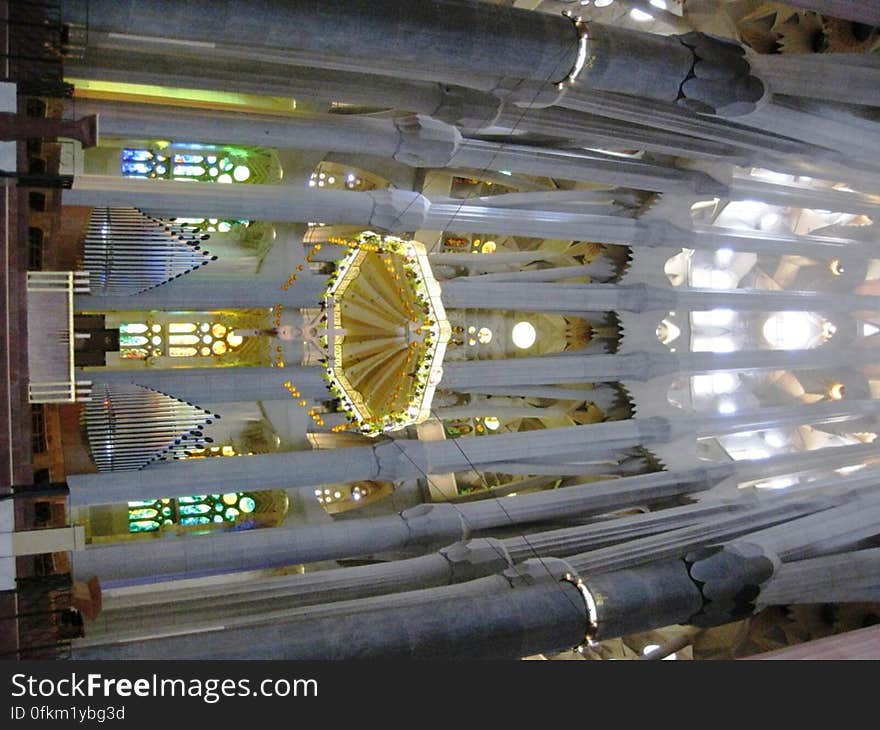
(200, 509)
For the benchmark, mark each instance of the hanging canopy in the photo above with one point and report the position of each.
(386, 333)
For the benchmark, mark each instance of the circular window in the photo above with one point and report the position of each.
(524, 335)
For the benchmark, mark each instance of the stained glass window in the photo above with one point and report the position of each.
(200, 163)
(212, 164)
(200, 509)
(177, 339)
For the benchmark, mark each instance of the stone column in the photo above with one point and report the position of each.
(403, 458)
(217, 385)
(399, 459)
(599, 270)
(545, 370)
(401, 211)
(472, 293)
(628, 231)
(438, 524)
(198, 293)
(415, 140)
(424, 525)
(822, 412)
(469, 40)
(190, 605)
(500, 623)
(845, 578)
(117, 59)
(478, 45)
(592, 130)
(770, 147)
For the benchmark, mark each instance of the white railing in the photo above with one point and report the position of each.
(51, 336)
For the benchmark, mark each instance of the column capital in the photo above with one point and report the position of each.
(398, 210)
(720, 81)
(425, 142)
(476, 558)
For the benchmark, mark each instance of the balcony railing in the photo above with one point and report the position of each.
(51, 336)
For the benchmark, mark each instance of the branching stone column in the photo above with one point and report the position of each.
(487, 376)
(499, 621)
(399, 459)
(613, 544)
(471, 293)
(414, 139)
(439, 524)
(401, 211)
(474, 44)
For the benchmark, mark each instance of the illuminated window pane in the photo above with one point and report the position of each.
(188, 171)
(200, 509)
(183, 339)
(132, 340)
(182, 351)
(134, 354)
(132, 329)
(180, 328)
